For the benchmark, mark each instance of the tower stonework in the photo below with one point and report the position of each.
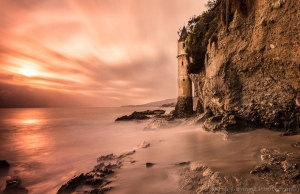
(184, 106)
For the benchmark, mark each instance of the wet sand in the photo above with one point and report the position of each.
(237, 155)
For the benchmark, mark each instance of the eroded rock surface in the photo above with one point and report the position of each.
(201, 179)
(279, 172)
(95, 181)
(252, 66)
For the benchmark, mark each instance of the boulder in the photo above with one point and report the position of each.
(4, 164)
(149, 164)
(183, 163)
(144, 145)
(13, 186)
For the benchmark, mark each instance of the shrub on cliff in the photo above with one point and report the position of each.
(200, 30)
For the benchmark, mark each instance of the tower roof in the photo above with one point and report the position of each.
(183, 34)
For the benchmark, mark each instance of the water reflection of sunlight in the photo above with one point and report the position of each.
(30, 139)
(33, 141)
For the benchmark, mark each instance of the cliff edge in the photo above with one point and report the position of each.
(252, 66)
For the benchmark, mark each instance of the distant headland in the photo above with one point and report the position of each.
(162, 103)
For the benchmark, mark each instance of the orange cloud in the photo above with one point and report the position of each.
(101, 53)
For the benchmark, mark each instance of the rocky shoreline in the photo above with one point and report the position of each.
(212, 123)
(14, 183)
(95, 181)
(98, 180)
(278, 171)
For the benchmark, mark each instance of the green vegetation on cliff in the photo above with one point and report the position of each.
(200, 29)
(204, 28)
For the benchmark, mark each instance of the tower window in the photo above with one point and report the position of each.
(183, 79)
(183, 45)
(182, 63)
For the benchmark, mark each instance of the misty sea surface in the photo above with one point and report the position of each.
(48, 146)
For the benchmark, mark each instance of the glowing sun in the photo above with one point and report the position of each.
(28, 71)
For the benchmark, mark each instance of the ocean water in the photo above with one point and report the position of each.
(46, 147)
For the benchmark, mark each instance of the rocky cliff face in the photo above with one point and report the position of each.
(252, 67)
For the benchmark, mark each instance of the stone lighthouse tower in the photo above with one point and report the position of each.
(184, 106)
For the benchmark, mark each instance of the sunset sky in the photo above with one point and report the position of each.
(90, 52)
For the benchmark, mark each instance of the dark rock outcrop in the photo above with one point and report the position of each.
(13, 186)
(107, 157)
(72, 184)
(4, 165)
(183, 163)
(143, 115)
(153, 112)
(149, 164)
(95, 181)
(133, 116)
(126, 154)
